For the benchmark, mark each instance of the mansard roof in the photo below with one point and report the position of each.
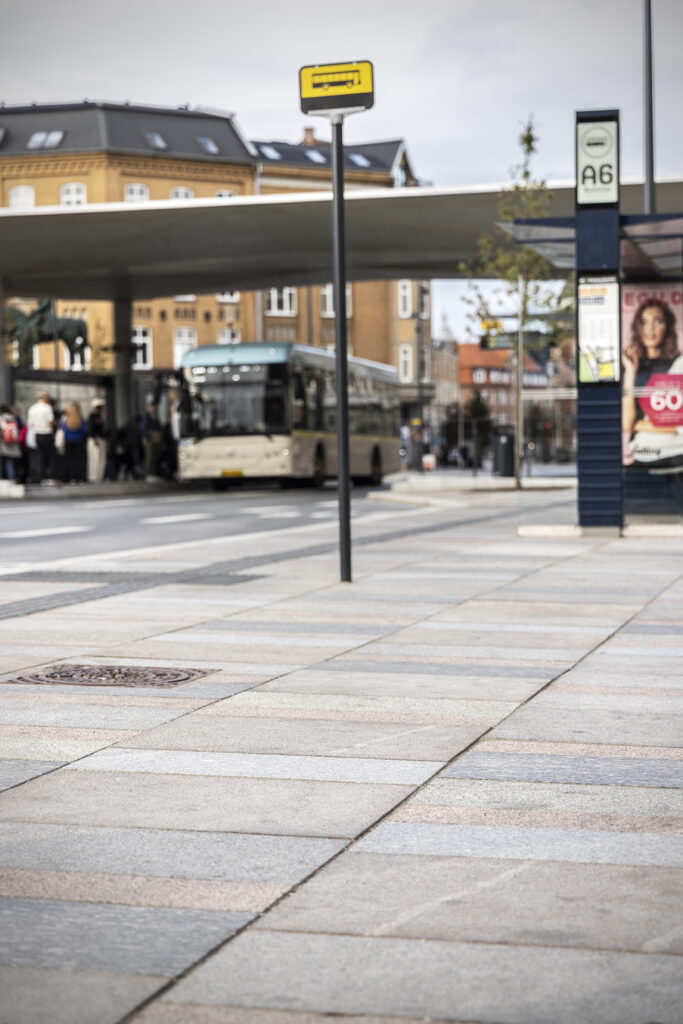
(122, 127)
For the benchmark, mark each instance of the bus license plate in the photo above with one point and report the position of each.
(232, 472)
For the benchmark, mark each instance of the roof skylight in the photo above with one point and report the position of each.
(359, 160)
(270, 152)
(208, 144)
(45, 140)
(315, 156)
(155, 140)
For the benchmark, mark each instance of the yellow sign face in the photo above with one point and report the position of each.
(327, 87)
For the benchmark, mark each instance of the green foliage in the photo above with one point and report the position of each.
(523, 273)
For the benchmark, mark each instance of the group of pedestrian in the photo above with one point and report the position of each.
(51, 446)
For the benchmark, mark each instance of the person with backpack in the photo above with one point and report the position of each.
(10, 449)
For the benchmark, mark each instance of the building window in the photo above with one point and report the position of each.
(184, 340)
(73, 194)
(228, 297)
(424, 300)
(45, 140)
(224, 193)
(208, 144)
(327, 300)
(479, 376)
(184, 298)
(405, 364)
(22, 197)
(405, 299)
(229, 336)
(182, 192)
(281, 302)
(502, 398)
(142, 348)
(155, 140)
(136, 193)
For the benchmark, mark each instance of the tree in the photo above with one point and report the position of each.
(478, 420)
(524, 274)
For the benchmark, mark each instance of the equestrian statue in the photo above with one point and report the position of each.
(43, 326)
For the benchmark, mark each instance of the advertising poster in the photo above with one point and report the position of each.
(599, 354)
(652, 375)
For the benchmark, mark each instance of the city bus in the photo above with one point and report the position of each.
(269, 411)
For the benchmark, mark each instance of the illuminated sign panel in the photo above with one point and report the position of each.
(597, 163)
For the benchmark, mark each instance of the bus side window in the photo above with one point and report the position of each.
(315, 391)
(298, 401)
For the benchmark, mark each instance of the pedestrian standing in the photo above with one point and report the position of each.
(75, 433)
(10, 449)
(40, 422)
(97, 441)
(152, 436)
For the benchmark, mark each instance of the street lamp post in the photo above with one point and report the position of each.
(417, 424)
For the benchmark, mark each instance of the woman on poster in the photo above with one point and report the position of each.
(652, 349)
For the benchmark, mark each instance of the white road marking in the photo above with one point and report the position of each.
(52, 531)
(187, 517)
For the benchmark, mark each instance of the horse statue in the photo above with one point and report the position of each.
(43, 326)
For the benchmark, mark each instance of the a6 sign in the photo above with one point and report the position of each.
(663, 403)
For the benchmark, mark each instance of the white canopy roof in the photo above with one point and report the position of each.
(149, 250)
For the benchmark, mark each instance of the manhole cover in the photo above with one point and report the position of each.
(110, 675)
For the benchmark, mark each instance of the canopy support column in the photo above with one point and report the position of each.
(123, 360)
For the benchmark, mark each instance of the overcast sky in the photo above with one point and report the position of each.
(455, 79)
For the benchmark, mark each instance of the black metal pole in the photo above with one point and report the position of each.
(339, 290)
(649, 119)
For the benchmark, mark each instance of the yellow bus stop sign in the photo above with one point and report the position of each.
(336, 88)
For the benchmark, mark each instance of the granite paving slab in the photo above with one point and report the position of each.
(427, 979)
(416, 686)
(201, 803)
(258, 766)
(56, 745)
(591, 726)
(435, 649)
(425, 667)
(14, 773)
(91, 936)
(601, 771)
(268, 701)
(580, 846)
(167, 1013)
(530, 903)
(168, 853)
(31, 995)
(47, 712)
(140, 890)
(488, 794)
(417, 742)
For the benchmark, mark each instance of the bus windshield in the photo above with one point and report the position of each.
(235, 400)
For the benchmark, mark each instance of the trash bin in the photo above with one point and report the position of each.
(503, 451)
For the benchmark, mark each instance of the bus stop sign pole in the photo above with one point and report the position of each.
(340, 338)
(333, 91)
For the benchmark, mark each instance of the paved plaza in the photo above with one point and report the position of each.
(448, 791)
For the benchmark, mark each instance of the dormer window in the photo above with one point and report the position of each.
(315, 156)
(208, 144)
(45, 140)
(270, 152)
(155, 140)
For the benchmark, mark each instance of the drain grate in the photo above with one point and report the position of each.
(110, 675)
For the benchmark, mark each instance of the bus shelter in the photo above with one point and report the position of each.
(629, 358)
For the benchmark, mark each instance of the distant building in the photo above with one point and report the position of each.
(80, 153)
(492, 373)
